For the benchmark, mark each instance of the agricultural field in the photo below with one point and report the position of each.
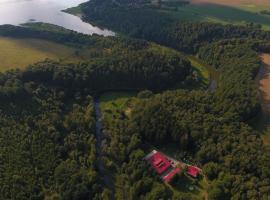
(238, 12)
(19, 53)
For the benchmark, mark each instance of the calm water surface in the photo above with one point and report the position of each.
(17, 12)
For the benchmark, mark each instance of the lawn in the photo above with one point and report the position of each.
(19, 53)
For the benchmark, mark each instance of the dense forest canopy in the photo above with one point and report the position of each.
(234, 51)
(47, 135)
(48, 127)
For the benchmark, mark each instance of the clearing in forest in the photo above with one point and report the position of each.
(19, 53)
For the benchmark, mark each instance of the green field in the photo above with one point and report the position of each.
(114, 103)
(205, 73)
(201, 68)
(19, 53)
(238, 14)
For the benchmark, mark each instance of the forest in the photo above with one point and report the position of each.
(48, 144)
(212, 127)
(48, 124)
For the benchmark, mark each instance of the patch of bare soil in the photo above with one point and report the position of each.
(232, 2)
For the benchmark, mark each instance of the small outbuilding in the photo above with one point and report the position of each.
(193, 171)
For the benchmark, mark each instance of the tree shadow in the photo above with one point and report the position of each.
(262, 121)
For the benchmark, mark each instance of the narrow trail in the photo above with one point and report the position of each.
(108, 182)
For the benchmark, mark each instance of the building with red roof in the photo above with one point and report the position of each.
(168, 177)
(193, 171)
(167, 167)
(158, 161)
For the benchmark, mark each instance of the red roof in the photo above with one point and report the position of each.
(159, 162)
(193, 171)
(170, 175)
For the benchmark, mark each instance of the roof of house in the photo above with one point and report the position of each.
(171, 174)
(193, 171)
(159, 162)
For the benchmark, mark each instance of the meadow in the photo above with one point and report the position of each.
(225, 12)
(19, 53)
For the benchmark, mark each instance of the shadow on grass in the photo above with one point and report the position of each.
(113, 96)
(261, 122)
(186, 184)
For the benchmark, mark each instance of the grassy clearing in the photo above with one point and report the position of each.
(201, 68)
(205, 74)
(116, 103)
(19, 53)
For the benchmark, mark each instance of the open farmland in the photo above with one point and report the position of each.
(234, 2)
(19, 53)
(238, 12)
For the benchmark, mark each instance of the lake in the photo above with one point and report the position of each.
(17, 12)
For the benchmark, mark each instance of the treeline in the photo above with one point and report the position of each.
(208, 127)
(237, 83)
(161, 27)
(47, 133)
(131, 71)
(110, 63)
(239, 64)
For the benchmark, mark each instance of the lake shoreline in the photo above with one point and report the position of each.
(49, 12)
